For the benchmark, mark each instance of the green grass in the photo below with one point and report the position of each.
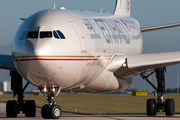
(98, 103)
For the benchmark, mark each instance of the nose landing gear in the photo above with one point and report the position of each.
(153, 106)
(51, 110)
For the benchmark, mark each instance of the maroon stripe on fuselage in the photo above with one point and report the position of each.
(46, 59)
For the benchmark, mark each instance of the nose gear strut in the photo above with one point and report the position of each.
(51, 110)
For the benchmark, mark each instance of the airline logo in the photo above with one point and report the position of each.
(131, 26)
(128, 6)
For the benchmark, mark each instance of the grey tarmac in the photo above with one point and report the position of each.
(71, 116)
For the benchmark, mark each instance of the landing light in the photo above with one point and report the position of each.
(53, 89)
(124, 65)
(45, 89)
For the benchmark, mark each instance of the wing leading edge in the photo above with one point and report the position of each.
(6, 62)
(137, 64)
(146, 29)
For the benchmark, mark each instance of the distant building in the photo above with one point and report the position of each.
(1, 86)
(5, 86)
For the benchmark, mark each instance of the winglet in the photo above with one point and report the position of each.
(122, 8)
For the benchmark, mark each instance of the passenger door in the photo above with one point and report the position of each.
(81, 36)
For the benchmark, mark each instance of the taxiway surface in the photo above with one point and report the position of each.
(71, 116)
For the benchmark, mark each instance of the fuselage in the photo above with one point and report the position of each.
(71, 49)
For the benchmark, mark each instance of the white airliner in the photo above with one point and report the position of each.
(61, 50)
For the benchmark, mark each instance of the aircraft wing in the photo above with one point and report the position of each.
(146, 29)
(124, 66)
(6, 62)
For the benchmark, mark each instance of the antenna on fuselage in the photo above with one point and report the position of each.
(54, 6)
(101, 10)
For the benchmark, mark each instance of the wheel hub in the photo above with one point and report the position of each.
(56, 112)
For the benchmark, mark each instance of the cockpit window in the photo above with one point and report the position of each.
(55, 34)
(43, 34)
(46, 34)
(58, 34)
(61, 34)
(32, 34)
(24, 35)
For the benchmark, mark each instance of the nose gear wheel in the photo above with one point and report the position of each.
(51, 110)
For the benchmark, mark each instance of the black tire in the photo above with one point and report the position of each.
(45, 112)
(30, 108)
(151, 107)
(170, 107)
(11, 108)
(55, 112)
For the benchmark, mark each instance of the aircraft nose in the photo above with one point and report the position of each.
(31, 65)
(37, 48)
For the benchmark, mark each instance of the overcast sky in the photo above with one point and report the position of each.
(147, 12)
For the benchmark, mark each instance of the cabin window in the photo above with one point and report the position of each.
(45, 34)
(32, 34)
(24, 35)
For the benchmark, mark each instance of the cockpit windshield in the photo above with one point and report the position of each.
(32, 34)
(45, 34)
(58, 34)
